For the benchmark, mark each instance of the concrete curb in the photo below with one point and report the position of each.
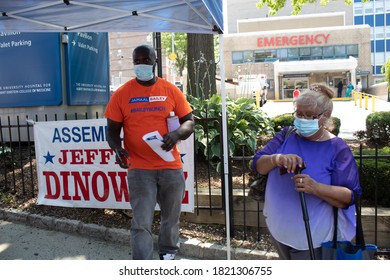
(190, 247)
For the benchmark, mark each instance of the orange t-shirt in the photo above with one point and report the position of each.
(144, 109)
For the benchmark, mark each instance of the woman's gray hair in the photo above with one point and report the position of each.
(318, 95)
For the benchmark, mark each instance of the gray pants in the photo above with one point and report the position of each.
(148, 187)
(288, 253)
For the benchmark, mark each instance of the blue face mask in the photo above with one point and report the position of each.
(143, 72)
(306, 127)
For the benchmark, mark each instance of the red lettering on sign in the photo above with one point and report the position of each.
(86, 156)
(98, 184)
(294, 40)
(185, 198)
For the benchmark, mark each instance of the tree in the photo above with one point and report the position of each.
(276, 5)
(179, 48)
(386, 71)
(201, 65)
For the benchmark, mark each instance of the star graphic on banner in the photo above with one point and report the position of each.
(181, 157)
(49, 158)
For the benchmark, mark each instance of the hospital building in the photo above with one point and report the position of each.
(297, 51)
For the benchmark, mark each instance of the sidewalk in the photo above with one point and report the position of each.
(25, 236)
(23, 242)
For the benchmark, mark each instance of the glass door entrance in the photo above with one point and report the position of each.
(289, 86)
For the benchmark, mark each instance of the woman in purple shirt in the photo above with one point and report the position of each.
(329, 179)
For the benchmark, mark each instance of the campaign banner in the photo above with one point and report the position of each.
(77, 168)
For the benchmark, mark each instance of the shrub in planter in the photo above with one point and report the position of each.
(283, 120)
(246, 123)
(378, 128)
(370, 177)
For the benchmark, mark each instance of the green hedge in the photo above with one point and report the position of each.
(246, 124)
(370, 178)
(378, 128)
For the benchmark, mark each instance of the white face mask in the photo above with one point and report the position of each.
(144, 72)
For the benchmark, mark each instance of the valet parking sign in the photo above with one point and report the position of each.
(77, 168)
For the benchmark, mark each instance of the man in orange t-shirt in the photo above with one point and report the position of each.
(155, 172)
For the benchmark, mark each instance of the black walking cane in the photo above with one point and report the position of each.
(306, 217)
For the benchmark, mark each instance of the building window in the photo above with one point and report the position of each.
(237, 57)
(248, 56)
(379, 58)
(380, 20)
(379, 10)
(304, 54)
(295, 54)
(340, 51)
(378, 70)
(328, 52)
(352, 50)
(316, 53)
(368, 7)
(379, 33)
(281, 54)
(265, 55)
(369, 20)
(358, 20)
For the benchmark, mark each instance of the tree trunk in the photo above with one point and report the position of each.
(201, 65)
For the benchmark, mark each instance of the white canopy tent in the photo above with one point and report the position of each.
(189, 16)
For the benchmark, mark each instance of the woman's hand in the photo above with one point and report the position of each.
(289, 162)
(304, 183)
(337, 196)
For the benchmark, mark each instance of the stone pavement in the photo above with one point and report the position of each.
(25, 236)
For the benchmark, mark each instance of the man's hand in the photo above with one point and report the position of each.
(122, 157)
(170, 140)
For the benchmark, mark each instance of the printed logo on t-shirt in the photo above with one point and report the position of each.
(157, 98)
(147, 99)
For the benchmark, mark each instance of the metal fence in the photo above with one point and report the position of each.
(18, 175)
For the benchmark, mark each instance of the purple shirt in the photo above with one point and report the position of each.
(330, 162)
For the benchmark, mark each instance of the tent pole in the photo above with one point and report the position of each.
(157, 47)
(225, 144)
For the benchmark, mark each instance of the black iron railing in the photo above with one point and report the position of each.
(18, 175)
